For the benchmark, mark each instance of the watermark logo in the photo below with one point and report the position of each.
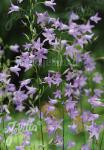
(15, 131)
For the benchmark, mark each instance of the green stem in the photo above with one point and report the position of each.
(81, 107)
(63, 147)
(41, 126)
(93, 143)
(40, 115)
(4, 132)
(101, 142)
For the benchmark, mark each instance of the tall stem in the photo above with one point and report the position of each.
(101, 141)
(4, 132)
(63, 147)
(41, 126)
(81, 107)
(40, 114)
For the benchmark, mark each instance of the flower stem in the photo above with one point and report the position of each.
(4, 132)
(41, 126)
(101, 141)
(81, 107)
(63, 146)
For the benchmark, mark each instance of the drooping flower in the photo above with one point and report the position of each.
(74, 113)
(13, 8)
(49, 35)
(85, 147)
(53, 79)
(50, 108)
(80, 82)
(71, 144)
(70, 75)
(68, 90)
(73, 127)
(14, 48)
(57, 79)
(37, 44)
(94, 131)
(95, 102)
(97, 78)
(89, 62)
(58, 140)
(10, 129)
(20, 148)
(31, 90)
(20, 108)
(42, 18)
(25, 82)
(53, 124)
(87, 92)
(40, 55)
(4, 77)
(98, 92)
(56, 23)
(57, 94)
(49, 79)
(10, 87)
(71, 51)
(73, 16)
(53, 101)
(88, 116)
(27, 46)
(63, 26)
(15, 69)
(95, 18)
(74, 30)
(8, 117)
(25, 60)
(19, 96)
(50, 4)
(86, 27)
(70, 104)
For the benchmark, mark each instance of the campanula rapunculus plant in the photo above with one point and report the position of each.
(71, 100)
